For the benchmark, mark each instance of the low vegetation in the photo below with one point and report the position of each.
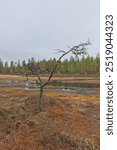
(68, 121)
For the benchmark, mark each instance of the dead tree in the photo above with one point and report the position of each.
(35, 70)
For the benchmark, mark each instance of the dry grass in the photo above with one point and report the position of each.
(67, 122)
(61, 78)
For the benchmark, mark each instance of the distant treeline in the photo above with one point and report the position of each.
(84, 66)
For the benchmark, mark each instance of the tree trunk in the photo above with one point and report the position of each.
(41, 98)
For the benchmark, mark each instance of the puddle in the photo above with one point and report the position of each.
(75, 84)
(81, 91)
(63, 87)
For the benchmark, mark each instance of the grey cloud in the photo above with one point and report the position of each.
(36, 27)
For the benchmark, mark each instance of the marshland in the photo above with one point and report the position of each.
(69, 120)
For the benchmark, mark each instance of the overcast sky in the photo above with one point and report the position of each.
(34, 28)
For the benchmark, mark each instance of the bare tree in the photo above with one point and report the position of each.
(37, 70)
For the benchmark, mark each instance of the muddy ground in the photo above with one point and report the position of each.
(69, 121)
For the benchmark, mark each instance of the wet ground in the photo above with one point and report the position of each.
(82, 88)
(70, 118)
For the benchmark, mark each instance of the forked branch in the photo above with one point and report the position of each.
(37, 71)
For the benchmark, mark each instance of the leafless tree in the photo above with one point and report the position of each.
(35, 70)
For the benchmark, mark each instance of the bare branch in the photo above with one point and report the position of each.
(36, 69)
(49, 78)
(69, 47)
(38, 83)
(39, 78)
(75, 50)
(59, 51)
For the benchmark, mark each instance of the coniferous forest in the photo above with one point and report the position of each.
(85, 66)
